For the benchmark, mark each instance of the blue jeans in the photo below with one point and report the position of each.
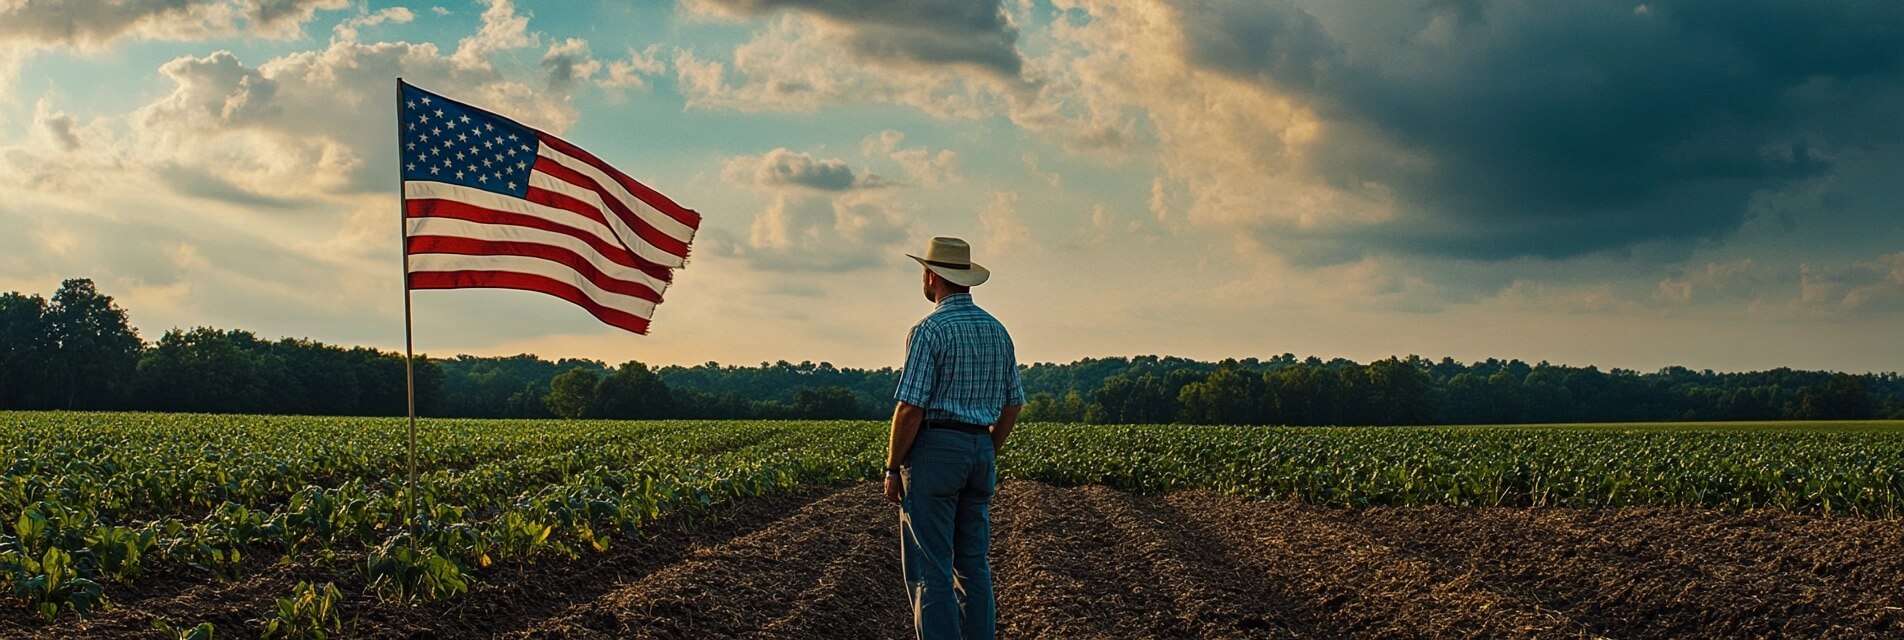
(945, 527)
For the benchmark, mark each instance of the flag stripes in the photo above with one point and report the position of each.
(491, 203)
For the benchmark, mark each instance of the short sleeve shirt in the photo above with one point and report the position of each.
(960, 364)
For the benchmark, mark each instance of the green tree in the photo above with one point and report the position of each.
(572, 394)
(827, 403)
(25, 347)
(632, 392)
(1233, 394)
(526, 403)
(95, 349)
(204, 369)
(1841, 397)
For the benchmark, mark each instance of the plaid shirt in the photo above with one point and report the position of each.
(960, 364)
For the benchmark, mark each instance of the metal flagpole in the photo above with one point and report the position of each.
(409, 344)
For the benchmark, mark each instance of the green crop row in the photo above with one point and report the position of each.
(96, 500)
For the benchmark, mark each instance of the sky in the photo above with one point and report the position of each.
(1712, 184)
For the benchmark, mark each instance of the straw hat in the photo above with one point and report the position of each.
(951, 258)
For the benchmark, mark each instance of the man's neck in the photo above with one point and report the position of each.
(944, 297)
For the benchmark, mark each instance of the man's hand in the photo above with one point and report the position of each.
(894, 488)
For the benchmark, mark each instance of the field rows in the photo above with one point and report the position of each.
(96, 502)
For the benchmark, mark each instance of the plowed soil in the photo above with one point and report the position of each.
(1092, 562)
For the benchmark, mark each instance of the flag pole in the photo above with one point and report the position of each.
(409, 343)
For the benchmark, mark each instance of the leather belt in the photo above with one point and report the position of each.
(976, 429)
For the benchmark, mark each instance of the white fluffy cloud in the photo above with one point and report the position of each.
(820, 214)
(634, 72)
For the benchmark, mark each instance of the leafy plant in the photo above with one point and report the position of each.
(306, 615)
(50, 584)
(399, 573)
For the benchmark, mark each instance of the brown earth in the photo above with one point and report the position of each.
(1096, 563)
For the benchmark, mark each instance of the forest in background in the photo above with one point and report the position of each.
(78, 350)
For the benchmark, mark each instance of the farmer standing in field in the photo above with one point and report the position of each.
(957, 400)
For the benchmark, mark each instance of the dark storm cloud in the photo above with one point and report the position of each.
(970, 32)
(1556, 129)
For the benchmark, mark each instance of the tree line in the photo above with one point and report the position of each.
(78, 350)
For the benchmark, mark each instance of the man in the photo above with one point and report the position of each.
(958, 398)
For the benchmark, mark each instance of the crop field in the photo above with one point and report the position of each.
(175, 526)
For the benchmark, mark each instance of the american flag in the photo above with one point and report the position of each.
(492, 203)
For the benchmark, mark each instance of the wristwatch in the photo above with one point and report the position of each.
(892, 471)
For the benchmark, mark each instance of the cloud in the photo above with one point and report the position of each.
(1004, 228)
(59, 126)
(502, 29)
(783, 168)
(1875, 286)
(92, 24)
(633, 73)
(347, 30)
(799, 64)
(294, 124)
(1488, 130)
(924, 167)
(1719, 281)
(971, 33)
(199, 183)
(569, 63)
(820, 216)
(1053, 178)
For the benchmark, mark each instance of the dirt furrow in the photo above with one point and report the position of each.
(1655, 572)
(753, 582)
(1351, 584)
(1061, 570)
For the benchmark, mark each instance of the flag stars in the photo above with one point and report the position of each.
(512, 185)
(425, 119)
(436, 131)
(451, 124)
(482, 178)
(433, 170)
(459, 175)
(410, 167)
(465, 118)
(439, 113)
(426, 99)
